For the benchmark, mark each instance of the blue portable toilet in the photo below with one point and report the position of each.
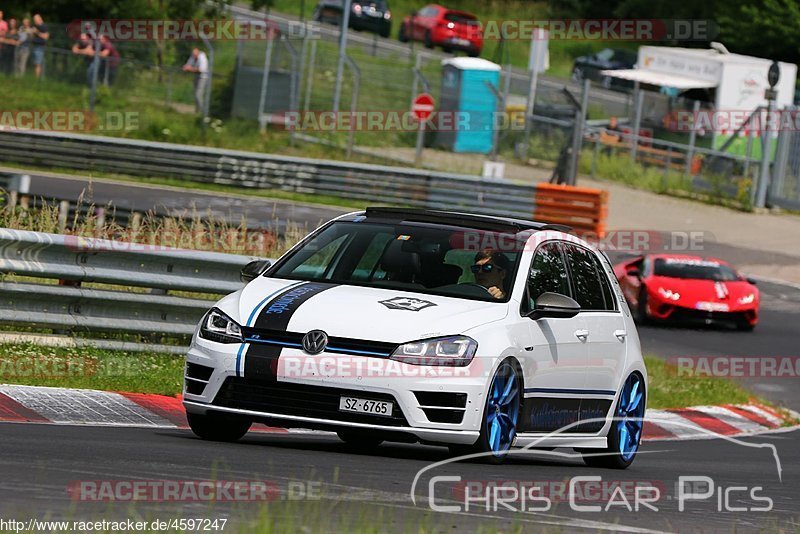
(466, 95)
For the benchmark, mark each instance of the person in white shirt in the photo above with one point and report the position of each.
(198, 64)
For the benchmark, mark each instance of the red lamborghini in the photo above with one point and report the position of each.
(671, 286)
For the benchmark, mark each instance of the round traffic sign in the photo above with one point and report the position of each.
(422, 108)
(774, 74)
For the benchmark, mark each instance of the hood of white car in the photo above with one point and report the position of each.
(357, 312)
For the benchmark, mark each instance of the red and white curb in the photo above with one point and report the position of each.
(34, 404)
(62, 406)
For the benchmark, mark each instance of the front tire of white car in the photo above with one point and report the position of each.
(626, 428)
(360, 440)
(217, 428)
(500, 415)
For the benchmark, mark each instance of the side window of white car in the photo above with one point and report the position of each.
(547, 274)
(591, 287)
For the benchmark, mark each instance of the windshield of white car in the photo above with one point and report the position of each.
(694, 269)
(420, 258)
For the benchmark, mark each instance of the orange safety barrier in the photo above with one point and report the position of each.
(582, 208)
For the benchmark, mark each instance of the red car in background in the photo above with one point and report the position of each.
(435, 25)
(670, 286)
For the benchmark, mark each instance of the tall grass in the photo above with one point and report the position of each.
(193, 232)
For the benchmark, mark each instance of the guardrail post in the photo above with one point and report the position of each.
(636, 121)
(577, 139)
(415, 80)
(353, 103)
(18, 188)
(344, 28)
(748, 154)
(63, 215)
(766, 157)
(781, 160)
(310, 78)
(100, 220)
(692, 137)
(294, 98)
(265, 80)
(134, 225)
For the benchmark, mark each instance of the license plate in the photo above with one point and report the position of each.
(351, 404)
(713, 306)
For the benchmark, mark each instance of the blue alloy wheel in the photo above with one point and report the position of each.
(500, 416)
(626, 428)
(502, 409)
(630, 414)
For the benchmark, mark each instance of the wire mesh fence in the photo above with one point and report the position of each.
(627, 135)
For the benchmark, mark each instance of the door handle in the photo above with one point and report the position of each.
(620, 334)
(582, 334)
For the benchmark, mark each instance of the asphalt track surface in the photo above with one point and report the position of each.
(38, 462)
(260, 212)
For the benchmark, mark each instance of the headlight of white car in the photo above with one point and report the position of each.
(455, 351)
(220, 328)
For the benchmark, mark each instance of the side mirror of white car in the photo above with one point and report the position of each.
(254, 269)
(554, 305)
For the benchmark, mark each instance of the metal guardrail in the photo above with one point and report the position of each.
(72, 260)
(398, 185)
(81, 259)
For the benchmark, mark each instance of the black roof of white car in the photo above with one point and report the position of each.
(470, 220)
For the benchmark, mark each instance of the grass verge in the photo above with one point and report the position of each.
(668, 389)
(139, 372)
(90, 368)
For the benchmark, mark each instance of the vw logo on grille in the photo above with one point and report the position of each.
(315, 341)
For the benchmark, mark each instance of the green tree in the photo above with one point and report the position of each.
(763, 28)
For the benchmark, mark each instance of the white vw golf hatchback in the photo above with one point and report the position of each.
(476, 332)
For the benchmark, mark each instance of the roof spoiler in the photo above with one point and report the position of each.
(557, 227)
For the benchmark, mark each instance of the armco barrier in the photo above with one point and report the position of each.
(80, 259)
(368, 183)
(372, 184)
(582, 208)
(147, 311)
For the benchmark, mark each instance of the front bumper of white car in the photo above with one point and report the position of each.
(431, 404)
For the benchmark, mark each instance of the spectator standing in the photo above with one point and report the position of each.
(23, 50)
(85, 47)
(111, 60)
(198, 64)
(41, 34)
(3, 26)
(8, 43)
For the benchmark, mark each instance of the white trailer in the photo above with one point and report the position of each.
(736, 83)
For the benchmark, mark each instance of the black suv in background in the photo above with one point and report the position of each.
(606, 59)
(368, 15)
